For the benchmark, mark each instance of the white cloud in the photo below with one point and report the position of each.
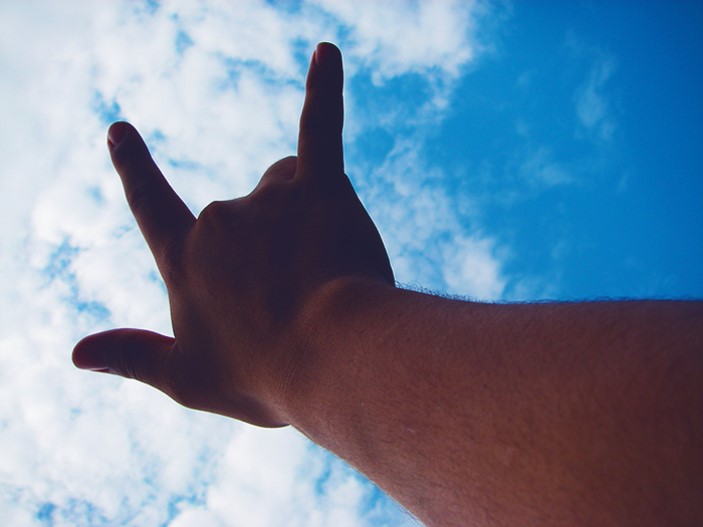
(392, 40)
(216, 87)
(473, 267)
(304, 487)
(431, 242)
(539, 168)
(593, 107)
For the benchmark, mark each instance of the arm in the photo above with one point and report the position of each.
(483, 414)
(284, 312)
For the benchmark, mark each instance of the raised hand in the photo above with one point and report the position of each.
(284, 311)
(246, 277)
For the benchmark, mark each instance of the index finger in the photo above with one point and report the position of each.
(160, 213)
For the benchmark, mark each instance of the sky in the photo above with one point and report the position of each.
(507, 152)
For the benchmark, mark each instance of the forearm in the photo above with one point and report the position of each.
(480, 413)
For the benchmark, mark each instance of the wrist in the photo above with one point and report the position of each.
(329, 332)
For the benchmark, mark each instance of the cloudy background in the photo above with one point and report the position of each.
(507, 152)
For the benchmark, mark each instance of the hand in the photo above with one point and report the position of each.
(242, 278)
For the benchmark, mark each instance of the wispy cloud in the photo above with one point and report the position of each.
(539, 168)
(432, 244)
(390, 40)
(593, 98)
(473, 267)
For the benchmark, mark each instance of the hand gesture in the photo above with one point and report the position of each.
(246, 277)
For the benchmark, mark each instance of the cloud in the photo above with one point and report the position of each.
(304, 487)
(391, 40)
(539, 168)
(593, 107)
(216, 89)
(433, 240)
(473, 268)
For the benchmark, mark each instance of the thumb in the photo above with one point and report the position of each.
(132, 353)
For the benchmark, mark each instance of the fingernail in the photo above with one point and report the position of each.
(321, 53)
(116, 133)
(87, 359)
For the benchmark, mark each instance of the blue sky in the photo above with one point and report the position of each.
(579, 135)
(507, 151)
(631, 219)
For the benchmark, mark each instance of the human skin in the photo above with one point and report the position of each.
(284, 311)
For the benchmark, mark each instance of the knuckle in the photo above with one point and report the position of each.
(266, 193)
(283, 168)
(219, 218)
(214, 213)
(281, 173)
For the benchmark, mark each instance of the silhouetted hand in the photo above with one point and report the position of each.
(245, 277)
